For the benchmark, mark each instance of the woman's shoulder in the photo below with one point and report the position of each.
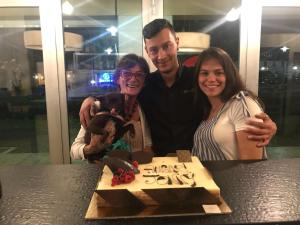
(244, 97)
(243, 102)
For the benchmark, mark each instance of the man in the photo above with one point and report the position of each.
(167, 98)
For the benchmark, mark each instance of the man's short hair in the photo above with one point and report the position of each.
(155, 26)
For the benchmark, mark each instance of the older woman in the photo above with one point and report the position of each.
(130, 76)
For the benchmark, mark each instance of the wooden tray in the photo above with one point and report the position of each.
(95, 211)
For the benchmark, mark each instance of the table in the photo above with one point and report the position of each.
(261, 192)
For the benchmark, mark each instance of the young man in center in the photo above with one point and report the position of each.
(168, 98)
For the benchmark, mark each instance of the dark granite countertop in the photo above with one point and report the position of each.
(264, 192)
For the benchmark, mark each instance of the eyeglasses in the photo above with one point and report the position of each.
(126, 74)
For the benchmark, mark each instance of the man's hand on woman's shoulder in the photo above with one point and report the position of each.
(84, 112)
(261, 131)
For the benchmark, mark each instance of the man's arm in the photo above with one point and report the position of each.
(84, 112)
(247, 149)
(261, 131)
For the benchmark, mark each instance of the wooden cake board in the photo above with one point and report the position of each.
(95, 211)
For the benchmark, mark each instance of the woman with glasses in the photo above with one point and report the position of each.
(130, 76)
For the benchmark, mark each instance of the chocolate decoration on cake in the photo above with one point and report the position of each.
(179, 181)
(153, 175)
(182, 196)
(120, 198)
(162, 180)
(169, 180)
(115, 163)
(150, 180)
(121, 154)
(188, 179)
(142, 157)
(184, 156)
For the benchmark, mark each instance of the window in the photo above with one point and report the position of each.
(209, 19)
(279, 75)
(23, 115)
(103, 31)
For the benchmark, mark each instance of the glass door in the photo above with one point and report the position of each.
(279, 75)
(202, 24)
(31, 93)
(23, 115)
(270, 31)
(96, 35)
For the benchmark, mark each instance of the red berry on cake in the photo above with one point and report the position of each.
(135, 164)
(120, 170)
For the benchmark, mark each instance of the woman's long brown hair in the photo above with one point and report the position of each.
(234, 83)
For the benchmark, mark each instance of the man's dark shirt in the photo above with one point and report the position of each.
(170, 111)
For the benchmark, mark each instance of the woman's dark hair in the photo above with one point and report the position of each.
(129, 61)
(155, 26)
(233, 85)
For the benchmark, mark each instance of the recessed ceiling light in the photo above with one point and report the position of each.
(108, 51)
(284, 48)
(67, 8)
(233, 14)
(113, 30)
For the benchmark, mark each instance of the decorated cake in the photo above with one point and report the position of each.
(164, 181)
(155, 187)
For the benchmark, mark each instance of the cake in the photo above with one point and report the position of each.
(164, 181)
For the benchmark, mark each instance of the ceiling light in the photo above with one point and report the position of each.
(67, 8)
(108, 51)
(284, 48)
(33, 40)
(233, 14)
(113, 30)
(193, 41)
